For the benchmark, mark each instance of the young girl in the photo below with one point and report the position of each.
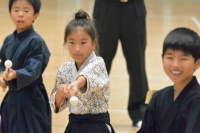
(25, 107)
(85, 77)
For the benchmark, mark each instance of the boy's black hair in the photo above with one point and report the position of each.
(35, 3)
(183, 39)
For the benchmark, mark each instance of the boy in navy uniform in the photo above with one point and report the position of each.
(176, 108)
(25, 107)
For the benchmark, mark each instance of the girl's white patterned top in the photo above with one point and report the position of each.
(94, 97)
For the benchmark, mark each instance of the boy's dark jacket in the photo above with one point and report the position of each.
(164, 115)
(25, 107)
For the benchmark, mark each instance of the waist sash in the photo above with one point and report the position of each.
(88, 118)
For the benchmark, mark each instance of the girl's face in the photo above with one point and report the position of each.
(80, 46)
(179, 66)
(22, 15)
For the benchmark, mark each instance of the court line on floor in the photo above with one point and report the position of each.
(119, 76)
(195, 21)
(113, 110)
(117, 111)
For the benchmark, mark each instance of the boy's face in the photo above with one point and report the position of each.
(22, 15)
(179, 66)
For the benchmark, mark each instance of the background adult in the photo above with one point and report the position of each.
(125, 21)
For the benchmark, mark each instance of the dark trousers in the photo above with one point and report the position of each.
(89, 123)
(126, 22)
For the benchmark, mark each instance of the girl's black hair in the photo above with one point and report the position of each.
(82, 20)
(35, 3)
(183, 39)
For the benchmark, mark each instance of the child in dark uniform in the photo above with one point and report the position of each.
(176, 109)
(25, 107)
(85, 77)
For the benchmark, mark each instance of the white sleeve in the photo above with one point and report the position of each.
(64, 103)
(96, 75)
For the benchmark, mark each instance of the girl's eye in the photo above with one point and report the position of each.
(169, 58)
(83, 43)
(26, 11)
(184, 59)
(15, 10)
(71, 42)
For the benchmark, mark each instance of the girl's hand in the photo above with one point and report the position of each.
(63, 90)
(10, 75)
(73, 89)
(2, 82)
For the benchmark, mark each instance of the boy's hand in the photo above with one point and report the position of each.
(2, 82)
(10, 75)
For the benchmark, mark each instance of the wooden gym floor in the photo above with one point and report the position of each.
(162, 17)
